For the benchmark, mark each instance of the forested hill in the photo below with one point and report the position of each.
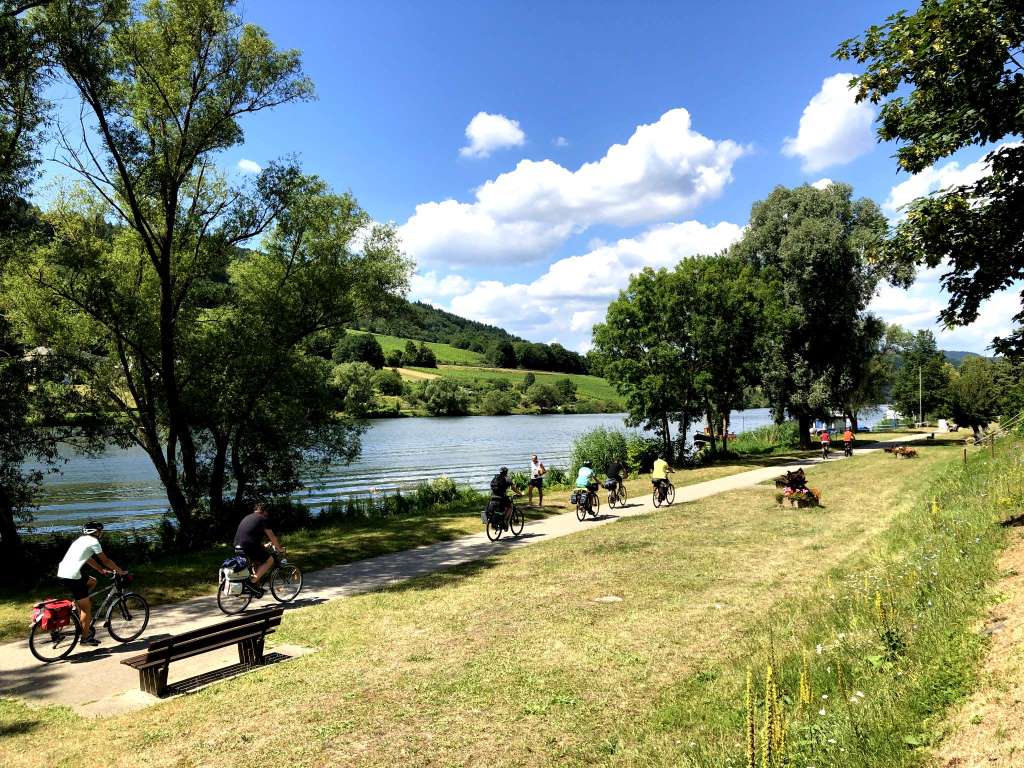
(422, 322)
(416, 320)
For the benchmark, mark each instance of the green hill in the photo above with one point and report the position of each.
(446, 354)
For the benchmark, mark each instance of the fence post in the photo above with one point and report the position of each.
(965, 455)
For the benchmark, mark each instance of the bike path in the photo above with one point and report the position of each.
(94, 682)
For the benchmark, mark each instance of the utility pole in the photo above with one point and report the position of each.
(920, 417)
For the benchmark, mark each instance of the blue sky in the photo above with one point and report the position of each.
(485, 131)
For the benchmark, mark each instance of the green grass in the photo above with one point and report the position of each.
(510, 661)
(587, 387)
(445, 353)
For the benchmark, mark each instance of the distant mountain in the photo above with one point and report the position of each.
(956, 356)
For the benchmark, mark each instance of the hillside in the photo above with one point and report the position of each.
(422, 322)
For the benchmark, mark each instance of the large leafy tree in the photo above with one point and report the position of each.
(974, 393)
(813, 249)
(188, 303)
(921, 384)
(645, 358)
(865, 379)
(951, 75)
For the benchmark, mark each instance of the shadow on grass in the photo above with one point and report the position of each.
(18, 728)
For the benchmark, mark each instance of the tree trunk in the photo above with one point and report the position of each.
(10, 541)
(666, 437)
(852, 416)
(725, 433)
(804, 422)
(217, 477)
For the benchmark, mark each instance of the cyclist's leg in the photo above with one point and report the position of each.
(80, 589)
(262, 569)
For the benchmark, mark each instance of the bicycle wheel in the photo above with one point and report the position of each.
(581, 511)
(286, 583)
(595, 503)
(229, 603)
(494, 528)
(127, 618)
(621, 496)
(670, 495)
(54, 646)
(656, 497)
(516, 522)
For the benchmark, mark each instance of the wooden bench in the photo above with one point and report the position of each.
(247, 632)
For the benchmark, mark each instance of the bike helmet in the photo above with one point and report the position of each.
(92, 528)
(503, 471)
(588, 464)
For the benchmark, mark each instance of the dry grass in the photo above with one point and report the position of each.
(510, 661)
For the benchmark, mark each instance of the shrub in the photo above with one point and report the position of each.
(544, 395)
(394, 359)
(353, 383)
(641, 451)
(440, 490)
(287, 515)
(556, 476)
(444, 397)
(359, 348)
(497, 403)
(766, 439)
(601, 446)
(528, 381)
(389, 382)
(567, 389)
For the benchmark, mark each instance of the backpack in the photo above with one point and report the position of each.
(498, 485)
(52, 614)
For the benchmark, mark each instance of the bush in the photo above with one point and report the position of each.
(440, 490)
(567, 389)
(528, 381)
(641, 452)
(287, 515)
(353, 383)
(389, 382)
(443, 397)
(394, 359)
(497, 403)
(601, 446)
(544, 395)
(359, 348)
(766, 439)
(556, 476)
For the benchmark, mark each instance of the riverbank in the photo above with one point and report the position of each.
(660, 671)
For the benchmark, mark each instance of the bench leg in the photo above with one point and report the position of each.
(154, 680)
(251, 651)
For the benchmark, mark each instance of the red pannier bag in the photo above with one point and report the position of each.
(52, 614)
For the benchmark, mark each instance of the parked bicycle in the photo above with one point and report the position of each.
(664, 494)
(284, 578)
(587, 502)
(510, 520)
(616, 493)
(56, 627)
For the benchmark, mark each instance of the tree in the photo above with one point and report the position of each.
(354, 383)
(867, 374)
(814, 251)
(644, 358)
(410, 355)
(425, 357)
(394, 359)
(359, 348)
(544, 395)
(567, 389)
(923, 371)
(497, 403)
(974, 394)
(528, 381)
(389, 382)
(502, 354)
(951, 75)
(194, 344)
(444, 397)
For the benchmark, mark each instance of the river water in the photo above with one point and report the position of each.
(120, 487)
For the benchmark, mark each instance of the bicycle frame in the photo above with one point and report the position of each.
(113, 592)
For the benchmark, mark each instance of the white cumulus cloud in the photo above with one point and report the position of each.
(249, 166)
(822, 183)
(663, 170)
(487, 132)
(560, 141)
(565, 301)
(834, 129)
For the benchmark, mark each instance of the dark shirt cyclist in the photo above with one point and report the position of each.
(614, 472)
(249, 538)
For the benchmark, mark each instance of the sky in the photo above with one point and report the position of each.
(535, 154)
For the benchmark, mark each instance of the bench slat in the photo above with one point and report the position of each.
(255, 617)
(176, 653)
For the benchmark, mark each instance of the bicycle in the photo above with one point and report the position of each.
(125, 617)
(285, 581)
(664, 494)
(848, 448)
(587, 502)
(824, 449)
(510, 520)
(616, 495)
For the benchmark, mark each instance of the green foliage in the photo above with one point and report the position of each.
(528, 381)
(813, 251)
(359, 348)
(974, 394)
(544, 395)
(389, 382)
(497, 403)
(567, 389)
(641, 451)
(951, 75)
(440, 490)
(766, 439)
(600, 446)
(354, 384)
(444, 397)
(923, 370)
(502, 354)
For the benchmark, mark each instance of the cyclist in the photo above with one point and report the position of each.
(586, 480)
(249, 538)
(659, 476)
(847, 440)
(500, 502)
(85, 550)
(614, 472)
(826, 441)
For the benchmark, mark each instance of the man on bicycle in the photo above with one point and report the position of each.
(614, 472)
(826, 441)
(659, 476)
(847, 440)
(85, 550)
(500, 501)
(249, 538)
(585, 480)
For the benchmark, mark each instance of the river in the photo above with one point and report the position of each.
(120, 486)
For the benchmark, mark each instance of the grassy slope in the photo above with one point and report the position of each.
(418, 674)
(445, 353)
(590, 387)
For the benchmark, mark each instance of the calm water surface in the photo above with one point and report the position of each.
(121, 488)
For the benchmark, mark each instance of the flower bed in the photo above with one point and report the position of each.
(799, 497)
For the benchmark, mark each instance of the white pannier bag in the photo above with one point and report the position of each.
(234, 579)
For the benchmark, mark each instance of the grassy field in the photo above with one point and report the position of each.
(587, 387)
(512, 661)
(445, 353)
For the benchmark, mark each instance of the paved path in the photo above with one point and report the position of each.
(94, 682)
